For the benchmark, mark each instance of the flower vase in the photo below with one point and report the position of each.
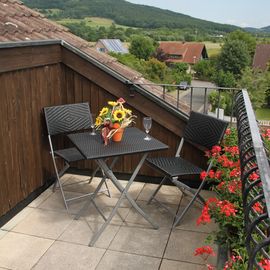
(117, 136)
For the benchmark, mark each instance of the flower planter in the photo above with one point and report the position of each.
(118, 135)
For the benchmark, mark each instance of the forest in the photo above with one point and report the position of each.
(125, 13)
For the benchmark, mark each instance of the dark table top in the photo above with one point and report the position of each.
(133, 142)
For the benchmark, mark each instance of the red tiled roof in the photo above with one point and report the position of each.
(20, 23)
(262, 56)
(190, 52)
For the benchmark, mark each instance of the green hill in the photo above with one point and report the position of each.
(124, 13)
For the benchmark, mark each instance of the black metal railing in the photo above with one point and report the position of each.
(255, 176)
(194, 97)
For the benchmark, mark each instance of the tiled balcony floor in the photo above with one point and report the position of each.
(45, 236)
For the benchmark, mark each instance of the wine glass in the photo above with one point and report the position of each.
(147, 123)
(93, 116)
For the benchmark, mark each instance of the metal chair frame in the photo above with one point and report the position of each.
(65, 119)
(196, 121)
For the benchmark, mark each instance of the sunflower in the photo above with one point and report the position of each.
(104, 111)
(119, 115)
(112, 103)
(98, 121)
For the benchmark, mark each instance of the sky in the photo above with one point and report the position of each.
(244, 13)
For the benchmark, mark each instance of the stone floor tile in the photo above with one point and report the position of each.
(63, 256)
(2, 233)
(182, 244)
(81, 184)
(92, 215)
(81, 232)
(190, 219)
(113, 260)
(21, 252)
(167, 194)
(159, 214)
(41, 198)
(17, 219)
(142, 241)
(175, 265)
(56, 203)
(44, 223)
(105, 201)
(134, 190)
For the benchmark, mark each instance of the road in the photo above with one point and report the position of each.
(198, 94)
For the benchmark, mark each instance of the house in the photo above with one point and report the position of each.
(110, 45)
(183, 52)
(261, 58)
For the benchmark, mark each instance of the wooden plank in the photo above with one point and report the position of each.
(29, 57)
(4, 144)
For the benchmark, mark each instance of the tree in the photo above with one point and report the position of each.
(155, 70)
(234, 57)
(205, 69)
(224, 79)
(142, 47)
(256, 84)
(247, 38)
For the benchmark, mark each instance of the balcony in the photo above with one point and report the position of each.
(42, 235)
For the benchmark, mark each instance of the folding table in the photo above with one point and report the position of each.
(133, 142)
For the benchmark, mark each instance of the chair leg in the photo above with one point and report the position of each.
(196, 195)
(184, 187)
(156, 191)
(93, 175)
(107, 189)
(62, 191)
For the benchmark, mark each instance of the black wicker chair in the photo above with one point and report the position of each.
(201, 130)
(65, 119)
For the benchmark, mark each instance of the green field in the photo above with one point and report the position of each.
(212, 48)
(92, 22)
(263, 114)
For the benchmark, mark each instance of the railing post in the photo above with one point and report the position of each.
(164, 92)
(219, 94)
(205, 100)
(177, 101)
(191, 97)
(232, 95)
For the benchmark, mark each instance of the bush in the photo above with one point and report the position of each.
(204, 69)
(142, 47)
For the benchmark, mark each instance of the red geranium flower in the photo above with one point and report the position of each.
(203, 175)
(215, 150)
(254, 176)
(265, 264)
(258, 207)
(204, 250)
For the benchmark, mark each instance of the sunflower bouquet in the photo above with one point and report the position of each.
(113, 118)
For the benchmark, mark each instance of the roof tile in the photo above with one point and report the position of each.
(262, 56)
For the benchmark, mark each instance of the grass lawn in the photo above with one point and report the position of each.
(263, 114)
(212, 48)
(92, 21)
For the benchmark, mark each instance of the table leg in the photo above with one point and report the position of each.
(124, 193)
(92, 197)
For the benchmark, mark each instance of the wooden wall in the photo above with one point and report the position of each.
(25, 162)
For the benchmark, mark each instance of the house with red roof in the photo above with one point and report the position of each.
(183, 52)
(261, 58)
